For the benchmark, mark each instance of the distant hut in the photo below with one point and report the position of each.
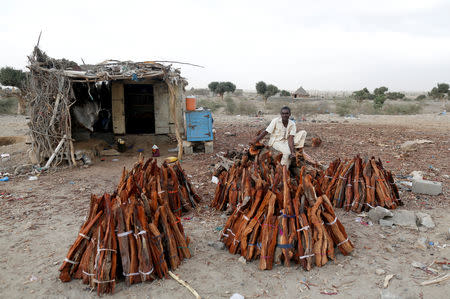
(300, 93)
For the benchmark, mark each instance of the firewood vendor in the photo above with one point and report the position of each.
(284, 136)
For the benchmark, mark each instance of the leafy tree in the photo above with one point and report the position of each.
(285, 93)
(221, 88)
(379, 101)
(421, 97)
(17, 78)
(12, 77)
(362, 94)
(213, 86)
(395, 95)
(380, 90)
(266, 91)
(439, 91)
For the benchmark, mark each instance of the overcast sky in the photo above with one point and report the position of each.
(321, 44)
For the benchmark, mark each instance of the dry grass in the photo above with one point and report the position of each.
(8, 105)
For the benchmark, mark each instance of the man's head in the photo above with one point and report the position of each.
(285, 113)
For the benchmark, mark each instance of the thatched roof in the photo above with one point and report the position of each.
(301, 92)
(106, 70)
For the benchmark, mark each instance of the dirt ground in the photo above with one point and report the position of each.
(40, 219)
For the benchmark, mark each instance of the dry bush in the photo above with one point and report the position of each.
(8, 105)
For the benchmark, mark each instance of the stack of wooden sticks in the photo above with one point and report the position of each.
(277, 217)
(359, 185)
(134, 233)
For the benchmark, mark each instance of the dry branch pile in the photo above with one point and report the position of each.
(134, 233)
(359, 186)
(277, 217)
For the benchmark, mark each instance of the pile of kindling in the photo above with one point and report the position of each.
(359, 185)
(277, 216)
(134, 233)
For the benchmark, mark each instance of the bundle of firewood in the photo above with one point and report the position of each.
(135, 233)
(276, 216)
(359, 185)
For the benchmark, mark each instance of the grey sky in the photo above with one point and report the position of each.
(322, 44)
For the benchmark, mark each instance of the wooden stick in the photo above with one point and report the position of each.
(436, 280)
(183, 283)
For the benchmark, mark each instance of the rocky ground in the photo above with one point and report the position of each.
(40, 219)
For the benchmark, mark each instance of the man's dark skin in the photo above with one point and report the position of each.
(285, 114)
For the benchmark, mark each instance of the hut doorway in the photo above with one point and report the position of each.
(139, 109)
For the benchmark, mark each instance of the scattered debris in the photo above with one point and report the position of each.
(436, 280)
(316, 142)
(380, 272)
(424, 220)
(387, 279)
(421, 243)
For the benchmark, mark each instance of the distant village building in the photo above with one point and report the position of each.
(300, 93)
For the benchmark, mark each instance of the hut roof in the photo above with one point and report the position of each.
(301, 92)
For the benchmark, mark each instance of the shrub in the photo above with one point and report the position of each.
(8, 105)
(397, 108)
(247, 108)
(421, 97)
(230, 105)
(210, 104)
(345, 107)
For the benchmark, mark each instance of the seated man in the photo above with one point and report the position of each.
(284, 136)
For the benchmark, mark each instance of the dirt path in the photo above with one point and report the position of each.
(39, 220)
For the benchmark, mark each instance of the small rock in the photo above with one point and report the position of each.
(425, 220)
(242, 260)
(386, 222)
(379, 213)
(237, 296)
(445, 267)
(380, 271)
(390, 249)
(405, 218)
(387, 295)
(401, 239)
(421, 243)
(217, 245)
(446, 176)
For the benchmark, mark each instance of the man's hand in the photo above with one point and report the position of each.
(291, 156)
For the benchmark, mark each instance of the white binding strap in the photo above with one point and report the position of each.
(106, 249)
(140, 233)
(124, 234)
(130, 274)
(346, 240)
(146, 273)
(84, 236)
(306, 256)
(226, 235)
(334, 221)
(246, 218)
(103, 281)
(88, 274)
(71, 262)
(161, 192)
(369, 205)
(231, 231)
(303, 228)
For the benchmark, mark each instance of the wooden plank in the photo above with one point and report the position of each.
(118, 107)
(161, 96)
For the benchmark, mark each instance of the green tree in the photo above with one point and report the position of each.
(379, 101)
(213, 86)
(395, 95)
(363, 94)
(380, 90)
(266, 91)
(285, 93)
(440, 91)
(12, 77)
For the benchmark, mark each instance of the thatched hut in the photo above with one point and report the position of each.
(120, 97)
(300, 93)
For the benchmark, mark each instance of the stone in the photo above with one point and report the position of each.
(405, 218)
(388, 295)
(423, 219)
(217, 245)
(421, 243)
(412, 145)
(242, 260)
(380, 271)
(426, 187)
(379, 213)
(386, 222)
(390, 249)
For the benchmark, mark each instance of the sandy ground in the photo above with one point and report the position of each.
(40, 219)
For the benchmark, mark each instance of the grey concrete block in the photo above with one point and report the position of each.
(404, 218)
(426, 187)
(188, 150)
(379, 213)
(209, 147)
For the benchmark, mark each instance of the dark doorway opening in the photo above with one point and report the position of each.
(139, 109)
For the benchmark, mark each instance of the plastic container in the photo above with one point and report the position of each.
(190, 103)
